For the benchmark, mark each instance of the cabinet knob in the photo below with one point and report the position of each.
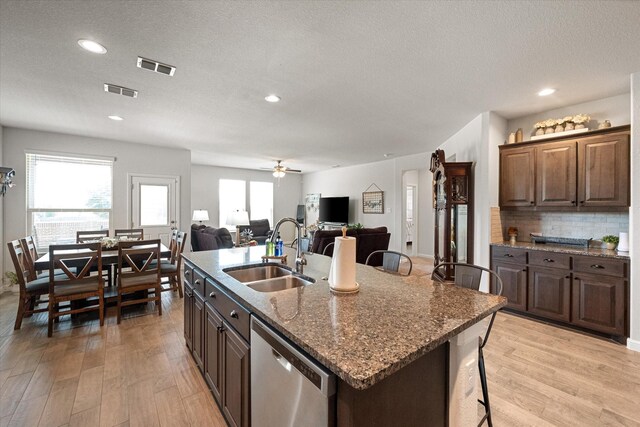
(233, 314)
(568, 277)
(212, 295)
(220, 328)
(508, 255)
(532, 202)
(187, 273)
(548, 260)
(582, 202)
(597, 267)
(197, 282)
(573, 202)
(524, 269)
(577, 278)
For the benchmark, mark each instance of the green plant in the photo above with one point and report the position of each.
(13, 277)
(610, 239)
(356, 226)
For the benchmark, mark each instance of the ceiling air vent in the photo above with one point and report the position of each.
(158, 67)
(131, 93)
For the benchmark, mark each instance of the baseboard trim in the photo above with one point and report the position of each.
(633, 344)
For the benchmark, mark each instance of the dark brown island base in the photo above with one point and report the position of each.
(401, 348)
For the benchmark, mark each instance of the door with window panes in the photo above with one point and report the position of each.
(155, 205)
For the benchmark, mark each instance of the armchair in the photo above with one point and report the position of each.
(259, 227)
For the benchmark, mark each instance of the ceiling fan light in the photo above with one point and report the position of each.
(278, 173)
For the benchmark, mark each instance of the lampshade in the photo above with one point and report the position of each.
(238, 218)
(200, 215)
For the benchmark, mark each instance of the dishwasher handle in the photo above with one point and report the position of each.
(291, 358)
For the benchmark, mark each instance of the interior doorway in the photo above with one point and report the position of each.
(410, 214)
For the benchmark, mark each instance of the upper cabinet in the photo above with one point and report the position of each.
(590, 172)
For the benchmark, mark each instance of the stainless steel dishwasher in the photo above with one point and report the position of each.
(287, 388)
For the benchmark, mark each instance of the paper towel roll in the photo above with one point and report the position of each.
(342, 275)
(623, 243)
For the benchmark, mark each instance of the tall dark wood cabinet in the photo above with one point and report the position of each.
(453, 202)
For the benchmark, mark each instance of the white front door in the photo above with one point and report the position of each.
(155, 205)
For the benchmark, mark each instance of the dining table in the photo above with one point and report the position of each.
(109, 260)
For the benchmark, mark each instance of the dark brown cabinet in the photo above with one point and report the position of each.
(599, 303)
(604, 166)
(582, 290)
(198, 328)
(550, 293)
(188, 315)
(517, 177)
(235, 392)
(213, 340)
(590, 172)
(556, 174)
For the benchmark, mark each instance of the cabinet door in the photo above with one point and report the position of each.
(212, 354)
(235, 392)
(603, 171)
(188, 315)
(556, 174)
(517, 177)
(599, 303)
(198, 329)
(514, 282)
(549, 293)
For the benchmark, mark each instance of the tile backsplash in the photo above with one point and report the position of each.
(563, 224)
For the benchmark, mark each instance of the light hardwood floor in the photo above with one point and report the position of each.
(139, 373)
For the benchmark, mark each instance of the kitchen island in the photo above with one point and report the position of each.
(388, 344)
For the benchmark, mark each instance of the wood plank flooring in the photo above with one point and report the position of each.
(139, 373)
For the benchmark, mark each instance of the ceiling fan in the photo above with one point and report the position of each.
(279, 171)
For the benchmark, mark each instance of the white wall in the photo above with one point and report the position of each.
(205, 188)
(2, 251)
(634, 216)
(615, 109)
(130, 158)
(352, 181)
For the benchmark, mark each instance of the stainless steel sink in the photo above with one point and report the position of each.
(268, 278)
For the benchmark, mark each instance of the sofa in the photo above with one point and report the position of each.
(260, 228)
(367, 241)
(204, 238)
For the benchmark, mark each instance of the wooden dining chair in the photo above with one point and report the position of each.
(30, 289)
(77, 283)
(31, 255)
(130, 233)
(90, 236)
(170, 268)
(138, 270)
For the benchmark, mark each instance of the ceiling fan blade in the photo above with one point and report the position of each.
(287, 170)
(267, 169)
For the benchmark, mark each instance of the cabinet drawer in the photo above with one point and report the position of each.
(549, 259)
(600, 265)
(518, 256)
(236, 315)
(188, 273)
(198, 282)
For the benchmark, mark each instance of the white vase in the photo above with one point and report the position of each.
(568, 126)
(558, 128)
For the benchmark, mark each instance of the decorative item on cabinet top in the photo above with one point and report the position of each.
(560, 127)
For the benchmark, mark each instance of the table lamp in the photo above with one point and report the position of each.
(200, 215)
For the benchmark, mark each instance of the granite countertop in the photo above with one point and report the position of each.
(363, 337)
(573, 250)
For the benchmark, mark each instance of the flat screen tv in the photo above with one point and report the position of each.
(334, 209)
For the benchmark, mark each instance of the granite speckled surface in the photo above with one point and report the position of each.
(565, 249)
(363, 337)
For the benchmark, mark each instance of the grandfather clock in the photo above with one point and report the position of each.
(453, 204)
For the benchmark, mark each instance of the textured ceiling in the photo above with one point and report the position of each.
(357, 79)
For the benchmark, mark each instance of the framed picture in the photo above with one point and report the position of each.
(373, 202)
(312, 205)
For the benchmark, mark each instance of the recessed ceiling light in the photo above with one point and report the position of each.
(546, 92)
(116, 118)
(272, 98)
(92, 46)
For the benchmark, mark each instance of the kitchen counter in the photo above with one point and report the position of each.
(363, 337)
(573, 250)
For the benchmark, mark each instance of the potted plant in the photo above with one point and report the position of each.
(12, 278)
(611, 241)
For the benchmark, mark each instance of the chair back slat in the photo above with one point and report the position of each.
(31, 254)
(179, 242)
(90, 236)
(130, 233)
(20, 263)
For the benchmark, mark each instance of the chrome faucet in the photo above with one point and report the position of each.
(301, 261)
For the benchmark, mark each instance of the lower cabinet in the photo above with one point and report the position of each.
(198, 326)
(514, 283)
(550, 293)
(214, 341)
(599, 303)
(235, 392)
(581, 290)
(188, 315)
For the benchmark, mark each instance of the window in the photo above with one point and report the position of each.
(232, 198)
(66, 194)
(261, 200)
